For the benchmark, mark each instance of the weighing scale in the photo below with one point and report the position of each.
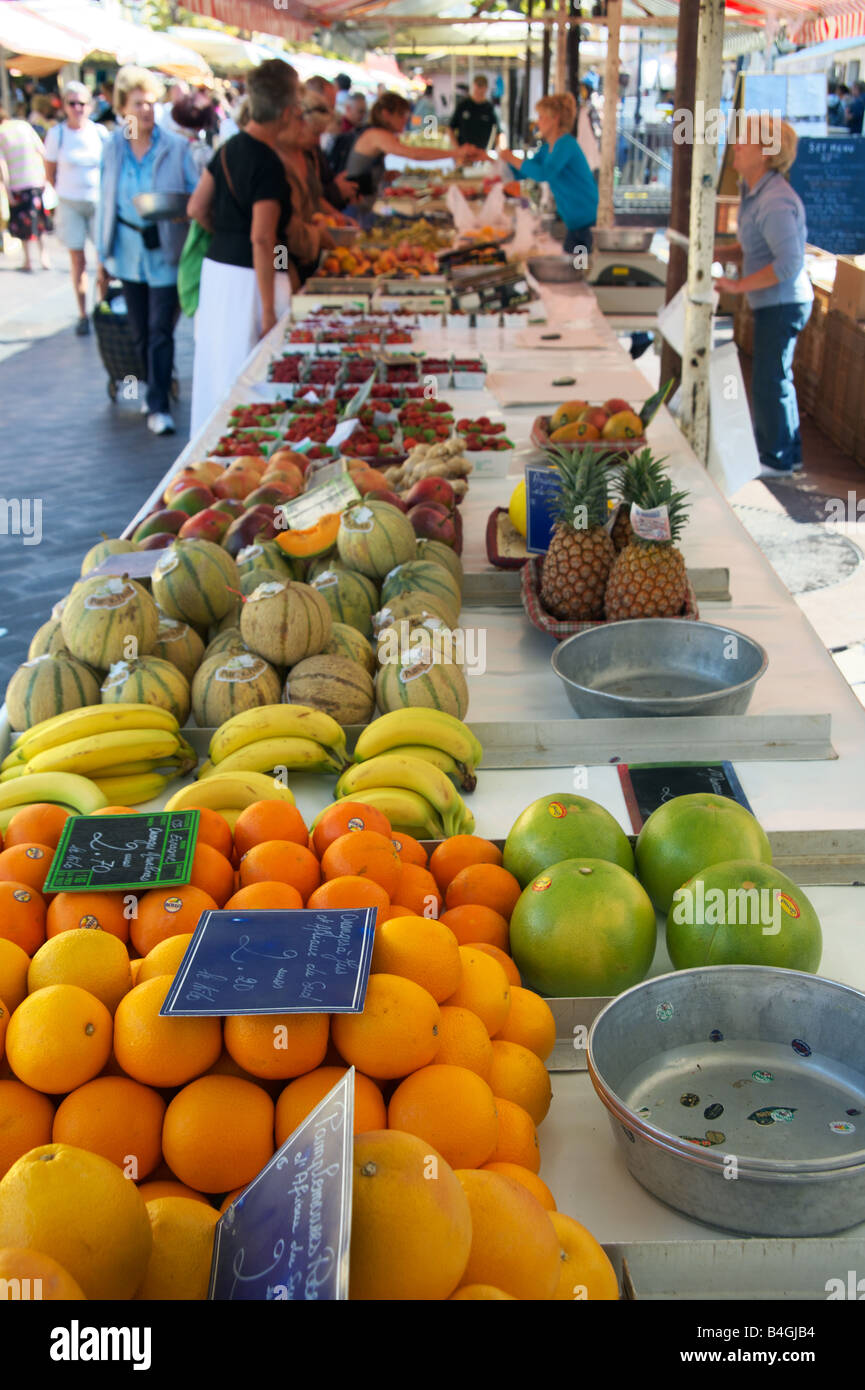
(627, 282)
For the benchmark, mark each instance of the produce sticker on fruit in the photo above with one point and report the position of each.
(275, 962)
(286, 1237)
(124, 852)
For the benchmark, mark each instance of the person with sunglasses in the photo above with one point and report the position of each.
(73, 156)
(319, 97)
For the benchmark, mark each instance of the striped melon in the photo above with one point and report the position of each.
(47, 640)
(351, 597)
(46, 686)
(373, 537)
(443, 555)
(267, 555)
(227, 643)
(322, 563)
(335, 684)
(227, 685)
(424, 577)
(192, 580)
(180, 644)
(421, 636)
(149, 681)
(285, 622)
(101, 551)
(108, 620)
(250, 580)
(230, 621)
(430, 684)
(414, 605)
(347, 641)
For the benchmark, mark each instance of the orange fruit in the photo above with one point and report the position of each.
(397, 1032)
(41, 823)
(135, 965)
(116, 811)
(79, 1209)
(281, 861)
(258, 897)
(55, 1283)
(585, 1270)
(4, 1024)
(410, 850)
(117, 1118)
(275, 1046)
(420, 949)
(451, 1108)
(212, 873)
(164, 912)
(14, 964)
(218, 1133)
(225, 1065)
(505, 961)
(519, 1075)
(94, 960)
(58, 1038)
(164, 1187)
(107, 912)
(22, 916)
(458, 852)
(488, 884)
(530, 1022)
(411, 1226)
(345, 816)
(164, 959)
(214, 830)
(517, 1140)
(530, 1181)
(390, 913)
(483, 988)
(349, 891)
(473, 922)
(479, 1293)
(303, 1095)
(464, 1041)
(514, 1245)
(162, 1051)
(269, 820)
(366, 854)
(26, 863)
(229, 1199)
(179, 1264)
(419, 890)
(26, 1117)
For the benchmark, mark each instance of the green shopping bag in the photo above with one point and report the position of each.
(195, 249)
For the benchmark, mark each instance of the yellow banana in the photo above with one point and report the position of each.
(100, 752)
(296, 754)
(412, 774)
(93, 719)
(230, 814)
(431, 727)
(20, 770)
(406, 810)
(439, 758)
(14, 759)
(276, 721)
(62, 788)
(131, 791)
(228, 791)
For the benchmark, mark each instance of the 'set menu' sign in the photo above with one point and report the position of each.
(275, 962)
(151, 850)
(649, 785)
(286, 1237)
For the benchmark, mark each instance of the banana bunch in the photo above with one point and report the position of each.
(78, 795)
(428, 734)
(409, 787)
(129, 752)
(229, 793)
(296, 737)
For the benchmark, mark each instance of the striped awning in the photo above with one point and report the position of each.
(844, 19)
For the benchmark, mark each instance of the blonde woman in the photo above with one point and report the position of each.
(771, 248)
(560, 162)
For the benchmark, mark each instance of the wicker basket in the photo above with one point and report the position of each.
(540, 437)
(495, 554)
(530, 590)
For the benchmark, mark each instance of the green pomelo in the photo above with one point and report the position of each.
(743, 912)
(564, 826)
(690, 832)
(583, 927)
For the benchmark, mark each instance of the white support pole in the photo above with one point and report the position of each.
(562, 48)
(701, 231)
(606, 215)
(5, 85)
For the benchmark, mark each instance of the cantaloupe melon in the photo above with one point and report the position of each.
(373, 537)
(285, 622)
(108, 620)
(47, 640)
(99, 552)
(180, 644)
(229, 622)
(347, 641)
(226, 643)
(267, 555)
(351, 597)
(431, 684)
(193, 580)
(46, 686)
(316, 540)
(250, 580)
(423, 577)
(414, 605)
(422, 636)
(227, 685)
(335, 684)
(148, 681)
(443, 555)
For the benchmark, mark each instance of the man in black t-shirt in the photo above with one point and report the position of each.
(474, 118)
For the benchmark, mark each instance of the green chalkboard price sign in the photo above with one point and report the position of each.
(124, 852)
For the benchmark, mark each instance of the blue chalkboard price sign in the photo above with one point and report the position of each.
(829, 176)
(542, 495)
(286, 1237)
(275, 962)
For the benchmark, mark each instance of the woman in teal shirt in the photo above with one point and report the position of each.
(560, 162)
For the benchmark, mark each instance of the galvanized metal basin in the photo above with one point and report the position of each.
(622, 238)
(554, 270)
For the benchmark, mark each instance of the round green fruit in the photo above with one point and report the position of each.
(743, 912)
(583, 927)
(688, 833)
(562, 826)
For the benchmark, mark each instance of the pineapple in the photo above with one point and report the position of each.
(648, 577)
(630, 480)
(578, 562)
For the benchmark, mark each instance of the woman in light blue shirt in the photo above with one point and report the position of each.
(560, 162)
(771, 247)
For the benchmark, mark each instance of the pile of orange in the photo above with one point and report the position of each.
(449, 1055)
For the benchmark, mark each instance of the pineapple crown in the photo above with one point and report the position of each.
(643, 480)
(582, 502)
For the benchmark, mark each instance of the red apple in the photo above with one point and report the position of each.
(271, 494)
(192, 500)
(231, 506)
(432, 490)
(433, 523)
(158, 540)
(236, 482)
(158, 523)
(383, 495)
(209, 525)
(593, 415)
(258, 524)
(615, 404)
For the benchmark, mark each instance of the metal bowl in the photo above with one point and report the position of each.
(554, 270)
(739, 1072)
(623, 238)
(658, 666)
(161, 207)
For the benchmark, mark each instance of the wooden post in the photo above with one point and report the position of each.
(526, 103)
(453, 81)
(562, 47)
(701, 231)
(546, 60)
(606, 215)
(510, 103)
(574, 51)
(680, 193)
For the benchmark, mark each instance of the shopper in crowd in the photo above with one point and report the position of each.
(771, 247)
(174, 92)
(424, 106)
(354, 120)
(474, 120)
(194, 117)
(73, 158)
(387, 121)
(342, 83)
(589, 123)
(141, 158)
(297, 146)
(243, 198)
(560, 162)
(22, 172)
(835, 114)
(856, 109)
(103, 110)
(335, 189)
(43, 115)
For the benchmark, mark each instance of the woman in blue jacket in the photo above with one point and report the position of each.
(560, 162)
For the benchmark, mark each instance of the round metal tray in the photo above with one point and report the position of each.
(554, 270)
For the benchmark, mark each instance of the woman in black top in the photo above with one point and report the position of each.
(243, 198)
